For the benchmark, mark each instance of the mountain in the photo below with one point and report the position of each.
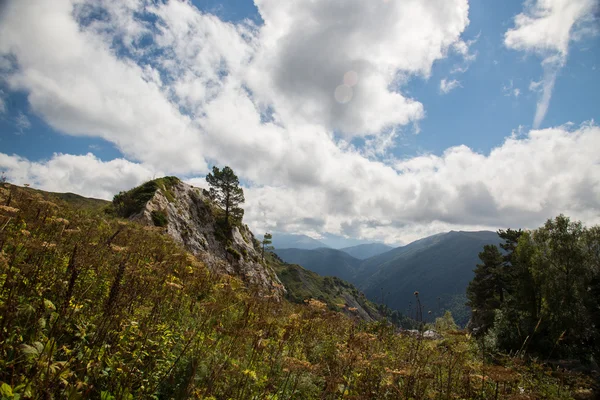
(98, 306)
(326, 262)
(439, 267)
(368, 250)
(187, 214)
(291, 241)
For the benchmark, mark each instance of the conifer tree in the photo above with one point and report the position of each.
(485, 290)
(226, 191)
(266, 243)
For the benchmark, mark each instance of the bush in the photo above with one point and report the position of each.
(159, 218)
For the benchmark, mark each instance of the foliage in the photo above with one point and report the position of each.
(92, 307)
(485, 291)
(133, 201)
(225, 190)
(267, 244)
(159, 218)
(542, 299)
(445, 323)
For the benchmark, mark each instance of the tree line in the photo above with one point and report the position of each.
(539, 293)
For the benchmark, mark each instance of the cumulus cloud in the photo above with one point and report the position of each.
(78, 85)
(176, 89)
(85, 174)
(546, 27)
(529, 178)
(446, 86)
(333, 62)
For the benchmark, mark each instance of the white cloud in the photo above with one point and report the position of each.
(306, 48)
(86, 174)
(510, 90)
(532, 176)
(22, 122)
(446, 86)
(191, 90)
(78, 85)
(546, 27)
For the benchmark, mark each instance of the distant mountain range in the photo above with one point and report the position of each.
(439, 267)
(364, 251)
(291, 241)
(323, 261)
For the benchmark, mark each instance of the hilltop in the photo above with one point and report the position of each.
(97, 306)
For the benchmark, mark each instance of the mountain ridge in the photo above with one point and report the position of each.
(366, 250)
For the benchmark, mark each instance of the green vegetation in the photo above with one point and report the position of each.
(159, 218)
(541, 296)
(93, 307)
(133, 201)
(266, 244)
(225, 190)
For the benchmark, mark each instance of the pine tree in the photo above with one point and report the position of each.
(266, 243)
(226, 191)
(485, 290)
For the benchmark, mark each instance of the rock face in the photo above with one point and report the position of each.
(189, 215)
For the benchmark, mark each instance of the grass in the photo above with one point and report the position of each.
(95, 307)
(133, 201)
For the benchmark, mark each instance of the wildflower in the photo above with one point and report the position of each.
(174, 285)
(400, 372)
(9, 210)
(316, 304)
(118, 249)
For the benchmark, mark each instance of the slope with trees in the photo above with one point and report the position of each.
(97, 307)
(542, 296)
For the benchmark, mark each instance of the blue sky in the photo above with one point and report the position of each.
(175, 87)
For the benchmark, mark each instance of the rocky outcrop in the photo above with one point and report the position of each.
(189, 216)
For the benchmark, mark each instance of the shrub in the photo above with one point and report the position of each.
(159, 218)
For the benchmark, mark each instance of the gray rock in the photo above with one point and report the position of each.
(191, 222)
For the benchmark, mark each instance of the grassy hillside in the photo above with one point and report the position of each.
(93, 307)
(303, 285)
(74, 200)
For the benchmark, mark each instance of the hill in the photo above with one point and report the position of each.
(368, 250)
(93, 306)
(292, 241)
(325, 262)
(439, 267)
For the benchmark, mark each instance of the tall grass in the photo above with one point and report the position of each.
(92, 307)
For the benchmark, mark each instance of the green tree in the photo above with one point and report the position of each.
(226, 191)
(485, 290)
(266, 244)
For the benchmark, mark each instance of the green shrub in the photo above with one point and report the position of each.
(159, 218)
(234, 253)
(133, 201)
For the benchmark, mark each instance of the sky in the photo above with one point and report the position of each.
(346, 120)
